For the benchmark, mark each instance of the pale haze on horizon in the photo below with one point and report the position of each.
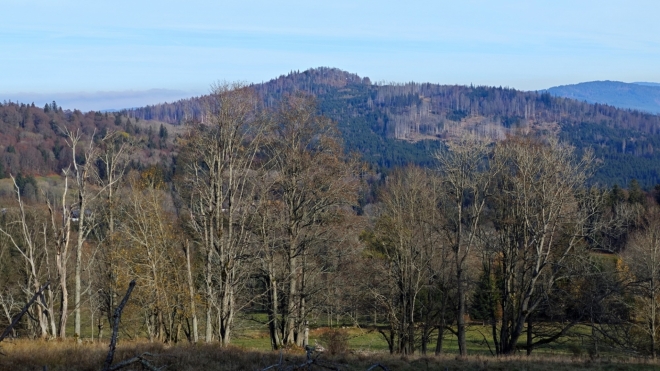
(155, 51)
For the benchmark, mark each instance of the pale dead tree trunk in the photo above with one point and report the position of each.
(219, 156)
(82, 174)
(61, 237)
(27, 248)
(9, 306)
(202, 228)
(467, 179)
(49, 300)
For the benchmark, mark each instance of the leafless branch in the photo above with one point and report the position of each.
(115, 328)
(139, 359)
(25, 309)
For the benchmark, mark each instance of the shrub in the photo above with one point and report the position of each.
(335, 341)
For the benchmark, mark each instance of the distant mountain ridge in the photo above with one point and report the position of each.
(642, 96)
(648, 83)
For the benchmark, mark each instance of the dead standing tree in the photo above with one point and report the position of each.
(27, 246)
(83, 171)
(61, 231)
(20, 315)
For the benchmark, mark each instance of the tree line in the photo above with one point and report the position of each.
(264, 217)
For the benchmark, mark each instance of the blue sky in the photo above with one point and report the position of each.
(87, 51)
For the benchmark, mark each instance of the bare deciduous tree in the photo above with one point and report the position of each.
(538, 223)
(467, 180)
(21, 234)
(61, 230)
(309, 184)
(642, 257)
(150, 252)
(220, 160)
(408, 237)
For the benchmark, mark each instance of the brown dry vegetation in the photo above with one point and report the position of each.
(67, 355)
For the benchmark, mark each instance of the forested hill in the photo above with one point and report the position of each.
(394, 124)
(643, 96)
(33, 139)
(388, 124)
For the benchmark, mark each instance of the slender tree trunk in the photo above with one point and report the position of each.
(209, 298)
(425, 337)
(460, 318)
(529, 335)
(441, 337)
(100, 326)
(191, 290)
(300, 338)
(496, 343)
(653, 317)
(441, 328)
(79, 249)
(273, 322)
(64, 304)
(38, 312)
(411, 323)
(289, 320)
(160, 326)
(51, 313)
(305, 340)
(460, 287)
(226, 315)
(301, 315)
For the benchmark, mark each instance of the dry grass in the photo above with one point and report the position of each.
(57, 355)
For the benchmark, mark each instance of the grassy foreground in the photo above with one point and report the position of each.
(26, 355)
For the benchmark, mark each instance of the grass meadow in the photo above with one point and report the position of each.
(23, 355)
(251, 351)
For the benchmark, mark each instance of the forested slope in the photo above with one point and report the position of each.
(387, 124)
(394, 124)
(33, 139)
